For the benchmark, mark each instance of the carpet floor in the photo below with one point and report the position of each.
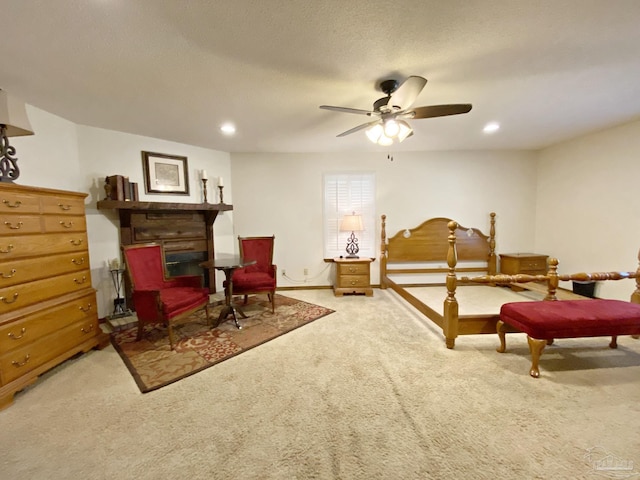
(153, 364)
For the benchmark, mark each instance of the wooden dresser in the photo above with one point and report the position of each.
(47, 304)
(528, 263)
(352, 276)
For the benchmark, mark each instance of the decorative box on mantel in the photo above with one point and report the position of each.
(185, 230)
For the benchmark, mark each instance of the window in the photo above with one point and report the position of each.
(345, 193)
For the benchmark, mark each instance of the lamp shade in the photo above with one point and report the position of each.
(13, 114)
(351, 223)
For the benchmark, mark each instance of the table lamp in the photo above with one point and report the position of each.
(352, 223)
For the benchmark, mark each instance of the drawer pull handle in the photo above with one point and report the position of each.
(13, 336)
(76, 243)
(4, 275)
(64, 207)
(8, 249)
(352, 270)
(6, 300)
(87, 308)
(12, 226)
(354, 282)
(23, 363)
(66, 224)
(87, 330)
(78, 262)
(81, 281)
(16, 204)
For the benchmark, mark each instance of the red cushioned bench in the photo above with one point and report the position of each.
(544, 321)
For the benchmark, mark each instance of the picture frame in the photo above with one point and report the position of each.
(165, 174)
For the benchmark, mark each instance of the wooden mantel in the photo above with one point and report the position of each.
(180, 227)
(164, 206)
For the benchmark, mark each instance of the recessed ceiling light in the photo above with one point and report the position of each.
(491, 127)
(228, 129)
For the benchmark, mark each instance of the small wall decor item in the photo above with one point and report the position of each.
(165, 174)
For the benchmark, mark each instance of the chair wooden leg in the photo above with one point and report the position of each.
(614, 342)
(272, 297)
(171, 338)
(206, 315)
(246, 299)
(140, 330)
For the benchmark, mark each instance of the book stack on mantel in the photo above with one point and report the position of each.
(118, 187)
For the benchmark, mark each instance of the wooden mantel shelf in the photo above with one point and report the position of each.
(163, 206)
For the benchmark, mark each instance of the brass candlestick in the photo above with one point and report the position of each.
(220, 187)
(204, 189)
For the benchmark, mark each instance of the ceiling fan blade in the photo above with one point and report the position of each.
(439, 110)
(406, 94)
(348, 110)
(357, 129)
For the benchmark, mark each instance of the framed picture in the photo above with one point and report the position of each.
(166, 174)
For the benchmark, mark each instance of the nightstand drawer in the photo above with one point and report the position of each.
(347, 281)
(353, 269)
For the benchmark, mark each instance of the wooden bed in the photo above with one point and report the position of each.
(442, 246)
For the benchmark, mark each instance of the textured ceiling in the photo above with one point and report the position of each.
(547, 70)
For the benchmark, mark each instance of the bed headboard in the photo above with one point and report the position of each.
(430, 242)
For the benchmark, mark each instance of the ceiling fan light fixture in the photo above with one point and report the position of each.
(391, 128)
(385, 141)
(404, 130)
(374, 132)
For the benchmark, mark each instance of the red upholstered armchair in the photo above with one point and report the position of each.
(261, 276)
(157, 298)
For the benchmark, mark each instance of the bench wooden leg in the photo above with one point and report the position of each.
(501, 329)
(614, 342)
(535, 347)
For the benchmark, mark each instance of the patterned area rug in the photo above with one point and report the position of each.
(153, 364)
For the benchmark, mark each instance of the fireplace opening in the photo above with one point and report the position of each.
(187, 263)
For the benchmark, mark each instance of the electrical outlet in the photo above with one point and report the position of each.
(306, 271)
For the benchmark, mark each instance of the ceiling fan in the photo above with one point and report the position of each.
(393, 110)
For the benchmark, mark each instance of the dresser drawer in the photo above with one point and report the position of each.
(59, 223)
(27, 329)
(353, 269)
(25, 294)
(348, 281)
(29, 269)
(18, 202)
(19, 361)
(63, 205)
(19, 224)
(30, 246)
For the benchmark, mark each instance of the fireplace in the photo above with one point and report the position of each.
(187, 263)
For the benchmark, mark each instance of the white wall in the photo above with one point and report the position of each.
(73, 157)
(281, 194)
(577, 201)
(588, 205)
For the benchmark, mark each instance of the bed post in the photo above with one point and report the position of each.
(383, 253)
(450, 325)
(635, 296)
(552, 283)
(493, 260)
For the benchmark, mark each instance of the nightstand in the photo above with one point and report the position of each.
(352, 276)
(527, 263)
